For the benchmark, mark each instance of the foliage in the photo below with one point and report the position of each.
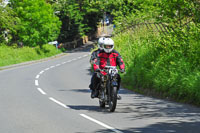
(38, 24)
(179, 11)
(78, 18)
(169, 65)
(175, 13)
(7, 24)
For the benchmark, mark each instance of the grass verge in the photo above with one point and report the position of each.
(14, 55)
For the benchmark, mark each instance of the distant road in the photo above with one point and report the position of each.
(53, 97)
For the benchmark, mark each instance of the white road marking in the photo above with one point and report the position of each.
(37, 77)
(36, 82)
(100, 123)
(41, 91)
(52, 66)
(56, 101)
(46, 69)
(65, 106)
(41, 72)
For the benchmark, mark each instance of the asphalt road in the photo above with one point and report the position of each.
(53, 97)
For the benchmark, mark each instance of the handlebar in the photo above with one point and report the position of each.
(106, 68)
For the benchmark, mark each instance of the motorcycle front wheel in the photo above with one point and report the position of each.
(113, 99)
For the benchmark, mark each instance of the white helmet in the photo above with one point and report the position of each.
(101, 42)
(108, 45)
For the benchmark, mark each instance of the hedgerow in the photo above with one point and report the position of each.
(166, 64)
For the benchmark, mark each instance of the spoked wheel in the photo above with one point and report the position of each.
(113, 99)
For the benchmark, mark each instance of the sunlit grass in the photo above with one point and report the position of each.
(11, 55)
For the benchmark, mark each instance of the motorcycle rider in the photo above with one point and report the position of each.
(107, 57)
(92, 61)
(95, 53)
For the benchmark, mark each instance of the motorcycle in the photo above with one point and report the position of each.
(108, 87)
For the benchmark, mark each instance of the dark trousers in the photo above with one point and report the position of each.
(95, 80)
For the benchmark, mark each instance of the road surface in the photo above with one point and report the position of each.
(53, 97)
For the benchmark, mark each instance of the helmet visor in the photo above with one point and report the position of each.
(108, 46)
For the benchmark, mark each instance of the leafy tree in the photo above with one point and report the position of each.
(78, 17)
(37, 24)
(7, 24)
(174, 12)
(93, 13)
(179, 11)
(69, 14)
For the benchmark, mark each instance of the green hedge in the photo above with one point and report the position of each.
(166, 64)
(14, 55)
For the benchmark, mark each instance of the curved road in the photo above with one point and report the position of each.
(53, 97)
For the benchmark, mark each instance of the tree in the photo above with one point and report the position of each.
(179, 11)
(7, 24)
(78, 17)
(38, 24)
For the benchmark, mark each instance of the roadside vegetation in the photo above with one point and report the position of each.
(162, 66)
(14, 55)
(27, 26)
(25, 29)
(165, 65)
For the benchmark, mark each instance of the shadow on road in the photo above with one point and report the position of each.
(158, 115)
(80, 90)
(89, 108)
(165, 117)
(147, 107)
(176, 127)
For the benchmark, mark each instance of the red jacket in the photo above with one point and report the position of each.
(108, 59)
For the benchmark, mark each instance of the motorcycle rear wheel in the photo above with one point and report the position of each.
(113, 99)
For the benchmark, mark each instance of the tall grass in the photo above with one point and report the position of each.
(14, 55)
(166, 64)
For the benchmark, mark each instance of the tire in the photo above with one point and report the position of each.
(102, 103)
(113, 99)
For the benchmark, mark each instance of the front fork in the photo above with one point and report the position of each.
(106, 87)
(110, 85)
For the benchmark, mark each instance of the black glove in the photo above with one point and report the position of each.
(122, 70)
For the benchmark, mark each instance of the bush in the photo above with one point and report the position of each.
(169, 65)
(11, 55)
(49, 50)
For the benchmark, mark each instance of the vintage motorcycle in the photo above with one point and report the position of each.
(108, 87)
